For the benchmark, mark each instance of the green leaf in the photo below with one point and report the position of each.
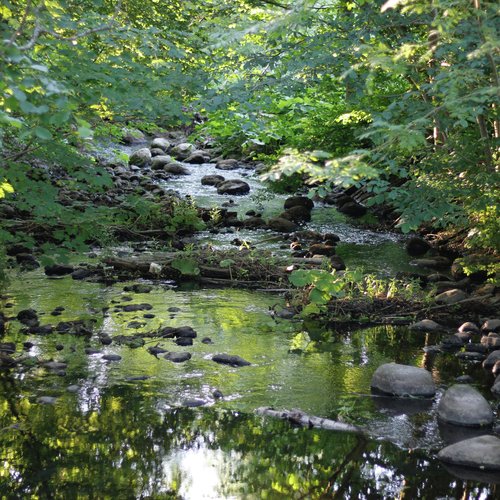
(186, 266)
(43, 133)
(300, 278)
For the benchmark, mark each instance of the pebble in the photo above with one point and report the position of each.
(46, 400)
(112, 357)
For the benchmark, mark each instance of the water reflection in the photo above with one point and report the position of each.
(129, 446)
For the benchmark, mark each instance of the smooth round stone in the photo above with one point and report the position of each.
(111, 357)
(46, 400)
(476, 357)
(402, 380)
(178, 357)
(481, 452)
(193, 403)
(55, 365)
(468, 326)
(463, 405)
(91, 350)
(426, 325)
(491, 360)
(73, 388)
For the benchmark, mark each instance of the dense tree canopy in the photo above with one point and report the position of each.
(400, 96)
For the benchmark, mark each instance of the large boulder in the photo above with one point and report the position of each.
(183, 150)
(353, 209)
(417, 246)
(463, 405)
(451, 297)
(481, 452)
(176, 169)
(438, 262)
(230, 359)
(229, 164)
(132, 136)
(491, 325)
(234, 187)
(425, 325)
(198, 157)
(160, 143)
(297, 214)
(158, 162)
(403, 380)
(141, 157)
(298, 201)
(491, 360)
(282, 225)
(322, 249)
(212, 180)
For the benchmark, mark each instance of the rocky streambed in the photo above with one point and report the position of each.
(163, 376)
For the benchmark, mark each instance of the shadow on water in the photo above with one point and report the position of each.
(122, 443)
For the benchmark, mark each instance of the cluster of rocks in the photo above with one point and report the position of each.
(461, 405)
(470, 344)
(346, 204)
(448, 277)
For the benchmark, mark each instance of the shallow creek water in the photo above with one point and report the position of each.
(122, 429)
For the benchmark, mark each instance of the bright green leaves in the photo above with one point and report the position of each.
(323, 287)
(5, 188)
(42, 133)
(187, 266)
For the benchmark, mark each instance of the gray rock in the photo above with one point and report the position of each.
(157, 152)
(470, 356)
(464, 405)
(451, 296)
(433, 263)
(198, 157)
(90, 351)
(193, 403)
(46, 400)
(235, 187)
(141, 157)
(176, 169)
(177, 357)
(229, 359)
(55, 365)
(182, 150)
(426, 325)
(495, 389)
(481, 452)
(212, 180)
(491, 325)
(468, 327)
(298, 201)
(491, 360)
(229, 164)
(184, 341)
(297, 214)
(158, 162)
(112, 357)
(132, 136)
(73, 388)
(417, 246)
(353, 209)
(402, 380)
(282, 225)
(160, 143)
(491, 341)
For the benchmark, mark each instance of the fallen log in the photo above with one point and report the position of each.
(298, 417)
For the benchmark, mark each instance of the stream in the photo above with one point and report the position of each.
(145, 427)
